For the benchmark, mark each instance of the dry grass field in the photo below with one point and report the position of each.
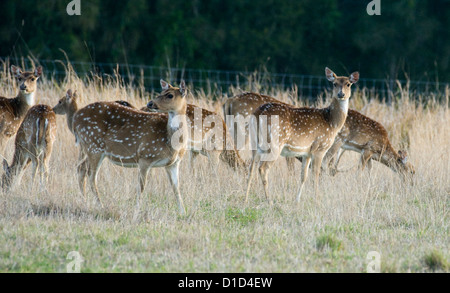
(357, 213)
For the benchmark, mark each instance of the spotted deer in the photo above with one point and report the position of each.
(68, 106)
(203, 124)
(244, 105)
(134, 139)
(301, 132)
(369, 138)
(33, 144)
(12, 111)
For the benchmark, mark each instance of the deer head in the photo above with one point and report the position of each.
(341, 84)
(27, 80)
(172, 99)
(65, 102)
(403, 164)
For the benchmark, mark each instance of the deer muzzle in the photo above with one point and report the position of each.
(152, 106)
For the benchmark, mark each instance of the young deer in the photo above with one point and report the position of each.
(132, 138)
(12, 111)
(302, 132)
(34, 143)
(244, 105)
(370, 139)
(68, 105)
(203, 123)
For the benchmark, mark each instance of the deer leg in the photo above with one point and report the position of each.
(213, 159)
(290, 164)
(338, 159)
(44, 172)
(45, 164)
(46, 168)
(15, 174)
(143, 172)
(3, 143)
(369, 165)
(173, 174)
(192, 156)
(333, 156)
(316, 166)
(82, 169)
(94, 163)
(365, 157)
(255, 156)
(264, 173)
(305, 167)
(34, 167)
(23, 165)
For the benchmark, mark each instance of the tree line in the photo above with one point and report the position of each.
(411, 38)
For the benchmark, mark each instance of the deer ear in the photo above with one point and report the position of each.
(183, 88)
(165, 85)
(354, 77)
(16, 70)
(38, 71)
(69, 93)
(331, 76)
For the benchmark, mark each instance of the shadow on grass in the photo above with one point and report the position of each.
(52, 210)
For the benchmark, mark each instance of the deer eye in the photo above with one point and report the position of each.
(348, 85)
(335, 84)
(170, 96)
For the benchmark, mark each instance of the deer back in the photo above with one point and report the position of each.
(123, 134)
(245, 104)
(38, 129)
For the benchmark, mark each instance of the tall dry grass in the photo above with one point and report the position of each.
(356, 213)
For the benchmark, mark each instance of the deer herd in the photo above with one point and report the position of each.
(162, 132)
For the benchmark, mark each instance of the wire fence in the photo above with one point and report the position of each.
(308, 86)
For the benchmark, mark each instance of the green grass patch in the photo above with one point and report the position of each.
(435, 261)
(330, 241)
(243, 217)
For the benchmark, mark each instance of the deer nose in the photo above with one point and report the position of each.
(23, 87)
(151, 105)
(341, 95)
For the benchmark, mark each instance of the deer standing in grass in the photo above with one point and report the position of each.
(34, 143)
(132, 138)
(12, 111)
(370, 139)
(301, 132)
(242, 107)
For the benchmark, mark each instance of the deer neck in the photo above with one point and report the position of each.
(390, 157)
(24, 102)
(73, 108)
(28, 99)
(338, 113)
(177, 128)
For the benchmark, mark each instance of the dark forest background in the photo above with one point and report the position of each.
(298, 36)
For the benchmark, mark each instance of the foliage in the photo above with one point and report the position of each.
(410, 36)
